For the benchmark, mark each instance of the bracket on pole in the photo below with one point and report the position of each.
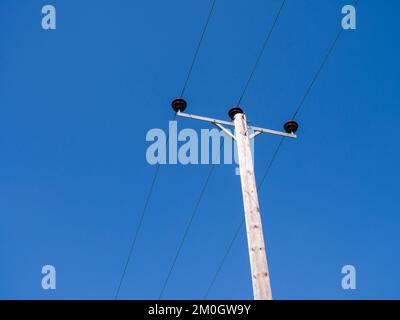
(255, 134)
(221, 127)
(179, 106)
(221, 123)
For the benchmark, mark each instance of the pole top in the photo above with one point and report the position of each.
(179, 105)
(234, 111)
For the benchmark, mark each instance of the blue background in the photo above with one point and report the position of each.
(76, 104)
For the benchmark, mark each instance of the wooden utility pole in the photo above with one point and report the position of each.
(255, 238)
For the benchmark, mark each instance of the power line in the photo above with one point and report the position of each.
(223, 259)
(186, 232)
(270, 163)
(275, 154)
(195, 209)
(139, 226)
(198, 47)
(150, 192)
(317, 74)
(260, 54)
(138, 229)
(304, 98)
(188, 227)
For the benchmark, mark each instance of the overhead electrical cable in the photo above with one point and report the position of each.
(157, 170)
(186, 232)
(275, 154)
(140, 223)
(200, 198)
(210, 13)
(261, 53)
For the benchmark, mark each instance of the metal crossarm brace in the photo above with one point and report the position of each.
(220, 124)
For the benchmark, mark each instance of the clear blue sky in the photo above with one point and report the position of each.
(77, 102)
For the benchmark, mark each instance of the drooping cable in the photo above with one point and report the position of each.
(275, 154)
(261, 53)
(157, 170)
(140, 224)
(210, 13)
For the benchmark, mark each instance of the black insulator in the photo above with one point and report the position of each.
(291, 126)
(234, 111)
(179, 105)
